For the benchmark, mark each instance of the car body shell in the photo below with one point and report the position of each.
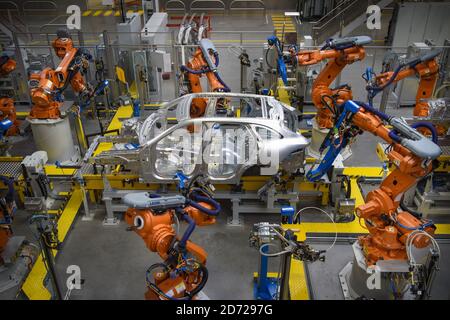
(155, 142)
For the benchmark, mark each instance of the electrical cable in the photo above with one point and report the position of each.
(329, 216)
(438, 90)
(277, 254)
(409, 244)
(267, 60)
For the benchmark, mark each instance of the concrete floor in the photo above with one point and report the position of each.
(113, 261)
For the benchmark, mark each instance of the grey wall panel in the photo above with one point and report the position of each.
(402, 27)
(419, 21)
(434, 26)
(445, 27)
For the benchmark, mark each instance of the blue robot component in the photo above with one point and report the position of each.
(265, 287)
(335, 145)
(99, 89)
(287, 213)
(273, 41)
(182, 180)
(265, 92)
(343, 131)
(4, 126)
(136, 108)
(369, 74)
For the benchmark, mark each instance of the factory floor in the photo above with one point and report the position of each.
(113, 261)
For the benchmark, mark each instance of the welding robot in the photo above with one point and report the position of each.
(50, 126)
(47, 96)
(275, 43)
(7, 109)
(205, 61)
(425, 67)
(339, 53)
(183, 273)
(392, 230)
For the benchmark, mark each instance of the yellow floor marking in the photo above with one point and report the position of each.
(86, 13)
(298, 285)
(98, 12)
(123, 112)
(33, 287)
(108, 13)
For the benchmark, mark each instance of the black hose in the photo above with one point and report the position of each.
(193, 180)
(267, 60)
(349, 187)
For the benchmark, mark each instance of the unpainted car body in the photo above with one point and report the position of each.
(222, 146)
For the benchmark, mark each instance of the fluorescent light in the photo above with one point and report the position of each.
(292, 14)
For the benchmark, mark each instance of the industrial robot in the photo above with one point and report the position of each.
(425, 67)
(275, 43)
(183, 273)
(204, 61)
(339, 53)
(7, 109)
(49, 123)
(393, 232)
(47, 96)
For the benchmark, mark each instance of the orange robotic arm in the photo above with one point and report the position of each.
(388, 227)
(183, 272)
(7, 108)
(53, 82)
(7, 65)
(410, 152)
(340, 52)
(428, 73)
(204, 61)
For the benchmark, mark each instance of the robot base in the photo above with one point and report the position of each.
(361, 282)
(268, 290)
(55, 137)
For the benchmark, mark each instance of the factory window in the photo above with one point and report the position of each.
(250, 108)
(227, 148)
(178, 151)
(267, 134)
